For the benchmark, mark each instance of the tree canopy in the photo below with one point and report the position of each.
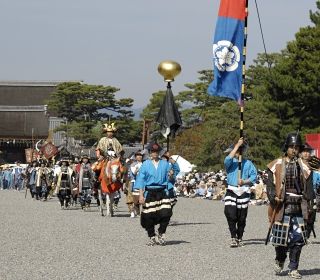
(86, 107)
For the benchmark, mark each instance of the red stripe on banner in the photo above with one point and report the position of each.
(233, 9)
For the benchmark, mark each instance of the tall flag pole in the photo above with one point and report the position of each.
(169, 116)
(244, 56)
(229, 55)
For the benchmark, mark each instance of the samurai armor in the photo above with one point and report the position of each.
(280, 232)
(291, 231)
(297, 231)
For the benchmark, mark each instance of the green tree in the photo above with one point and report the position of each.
(74, 100)
(151, 110)
(196, 101)
(295, 79)
(84, 106)
(205, 143)
(315, 16)
(130, 131)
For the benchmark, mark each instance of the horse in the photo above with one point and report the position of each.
(111, 173)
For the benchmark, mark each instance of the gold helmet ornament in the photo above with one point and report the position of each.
(109, 127)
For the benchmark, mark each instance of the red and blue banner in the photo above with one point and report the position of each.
(228, 50)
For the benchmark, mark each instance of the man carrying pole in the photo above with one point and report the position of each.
(229, 57)
(238, 192)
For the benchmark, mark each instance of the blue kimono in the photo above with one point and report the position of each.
(248, 171)
(150, 177)
(157, 208)
(176, 169)
(316, 180)
(237, 198)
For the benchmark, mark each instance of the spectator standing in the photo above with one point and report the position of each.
(17, 176)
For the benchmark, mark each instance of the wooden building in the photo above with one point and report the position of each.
(24, 118)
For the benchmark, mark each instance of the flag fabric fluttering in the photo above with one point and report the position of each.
(49, 150)
(169, 116)
(228, 50)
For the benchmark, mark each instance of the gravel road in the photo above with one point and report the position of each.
(40, 241)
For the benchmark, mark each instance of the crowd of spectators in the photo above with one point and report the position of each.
(12, 176)
(212, 185)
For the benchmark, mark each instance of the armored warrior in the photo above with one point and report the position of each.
(75, 166)
(43, 184)
(291, 195)
(31, 177)
(96, 169)
(109, 149)
(84, 181)
(314, 176)
(109, 146)
(238, 191)
(64, 182)
(133, 173)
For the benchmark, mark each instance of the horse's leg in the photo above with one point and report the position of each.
(110, 203)
(60, 197)
(101, 202)
(65, 202)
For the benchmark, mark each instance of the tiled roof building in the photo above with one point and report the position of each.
(23, 116)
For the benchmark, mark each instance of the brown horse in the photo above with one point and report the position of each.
(110, 177)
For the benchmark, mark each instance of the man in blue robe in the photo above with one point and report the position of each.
(152, 182)
(238, 192)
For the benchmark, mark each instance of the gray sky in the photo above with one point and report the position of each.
(121, 42)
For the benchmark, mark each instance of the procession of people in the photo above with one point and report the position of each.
(149, 180)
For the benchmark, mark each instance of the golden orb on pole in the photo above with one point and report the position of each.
(169, 69)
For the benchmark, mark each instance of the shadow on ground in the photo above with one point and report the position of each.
(314, 271)
(174, 224)
(175, 242)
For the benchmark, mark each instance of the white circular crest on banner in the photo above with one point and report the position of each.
(226, 56)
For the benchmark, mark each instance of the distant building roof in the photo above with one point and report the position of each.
(22, 93)
(23, 109)
(23, 124)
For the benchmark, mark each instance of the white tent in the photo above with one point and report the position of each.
(184, 165)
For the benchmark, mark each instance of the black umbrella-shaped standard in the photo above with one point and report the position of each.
(169, 116)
